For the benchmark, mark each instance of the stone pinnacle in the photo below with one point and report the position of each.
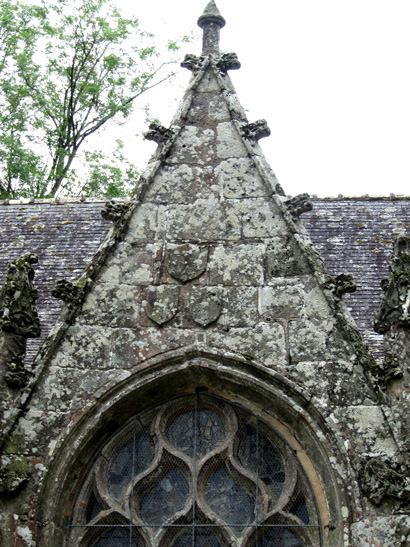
(211, 21)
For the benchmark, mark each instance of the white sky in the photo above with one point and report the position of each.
(331, 77)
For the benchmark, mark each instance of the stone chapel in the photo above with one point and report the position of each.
(205, 383)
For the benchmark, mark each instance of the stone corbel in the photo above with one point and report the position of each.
(192, 62)
(341, 284)
(385, 478)
(114, 211)
(256, 130)
(299, 204)
(158, 133)
(228, 61)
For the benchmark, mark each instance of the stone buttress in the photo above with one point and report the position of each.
(207, 268)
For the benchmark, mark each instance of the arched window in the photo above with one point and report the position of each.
(197, 470)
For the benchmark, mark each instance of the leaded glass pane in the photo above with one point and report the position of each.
(229, 500)
(116, 537)
(197, 432)
(165, 499)
(130, 459)
(258, 454)
(202, 537)
(277, 536)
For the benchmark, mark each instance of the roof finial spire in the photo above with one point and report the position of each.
(211, 21)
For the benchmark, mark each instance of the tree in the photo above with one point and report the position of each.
(67, 68)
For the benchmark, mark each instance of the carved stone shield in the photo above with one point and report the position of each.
(185, 262)
(205, 304)
(162, 303)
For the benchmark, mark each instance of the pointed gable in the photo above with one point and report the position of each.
(207, 282)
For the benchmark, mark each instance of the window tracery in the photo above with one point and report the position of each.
(197, 470)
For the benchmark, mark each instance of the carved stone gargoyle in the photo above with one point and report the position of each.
(113, 211)
(68, 292)
(395, 306)
(341, 284)
(18, 318)
(380, 478)
(299, 204)
(255, 130)
(158, 133)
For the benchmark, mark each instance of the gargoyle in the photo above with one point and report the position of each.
(256, 130)
(299, 204)
(113, 211)
(341, 284)
(67, 291)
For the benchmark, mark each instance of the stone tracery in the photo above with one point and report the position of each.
(196, 467)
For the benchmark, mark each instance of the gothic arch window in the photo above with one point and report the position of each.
(197, 470)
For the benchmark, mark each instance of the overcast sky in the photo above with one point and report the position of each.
(331, 77)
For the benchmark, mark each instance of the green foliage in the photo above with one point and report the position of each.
(67, 67)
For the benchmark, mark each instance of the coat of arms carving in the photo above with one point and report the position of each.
(205, 304)
(186, 262)
(162, 303)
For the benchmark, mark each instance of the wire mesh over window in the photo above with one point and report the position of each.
(199, 471)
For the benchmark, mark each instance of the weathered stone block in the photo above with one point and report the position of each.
(208, 83)
(218, 110)
(283, 301)
(183, 184)
(111, 305)
(132, 265)
(132, 347)
(240, 307)
(366, 427)
(261, 219)
(383, 531)
(194, 145)
(307, 342)
(264, 343)
(228, 142)
(144, 226)
(208, 109)
(205, 220)
(85, 347)
(284, 258)
(239, 178)
(237, 265)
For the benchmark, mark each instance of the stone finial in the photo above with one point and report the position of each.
(299, 204)
(395, 306)
(211, 21)
(18, 313)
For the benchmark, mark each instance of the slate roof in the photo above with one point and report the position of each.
(353, 235)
